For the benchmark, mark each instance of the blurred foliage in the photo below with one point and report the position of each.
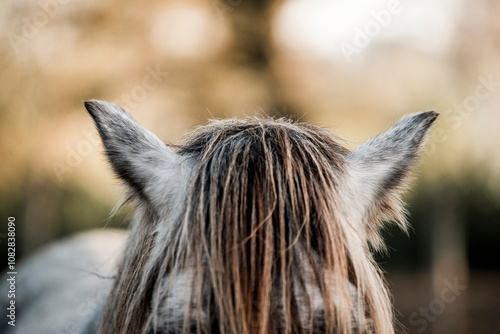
(472, 200)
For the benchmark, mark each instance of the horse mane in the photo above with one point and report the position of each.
(260, 242)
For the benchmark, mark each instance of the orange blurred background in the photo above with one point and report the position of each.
(354, 67)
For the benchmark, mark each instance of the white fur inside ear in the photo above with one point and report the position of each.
(379, 172)
(366, 182)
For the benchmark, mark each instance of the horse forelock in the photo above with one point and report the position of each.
(259, 241)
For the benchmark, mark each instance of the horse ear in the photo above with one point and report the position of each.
(380, 168)
(137, 156)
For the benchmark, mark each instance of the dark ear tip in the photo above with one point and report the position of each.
(426, 118)
(432, 114)
(98, 108)
(92, 106)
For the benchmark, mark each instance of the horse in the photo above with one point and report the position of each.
(254, 225)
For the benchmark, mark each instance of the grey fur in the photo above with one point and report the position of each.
(380, 169)
(172, 261)
(63, 287)
(150, 168)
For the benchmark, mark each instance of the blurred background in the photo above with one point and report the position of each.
(354, 67)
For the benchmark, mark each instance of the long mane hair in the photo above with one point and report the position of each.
(255, 226)
(263, 237)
